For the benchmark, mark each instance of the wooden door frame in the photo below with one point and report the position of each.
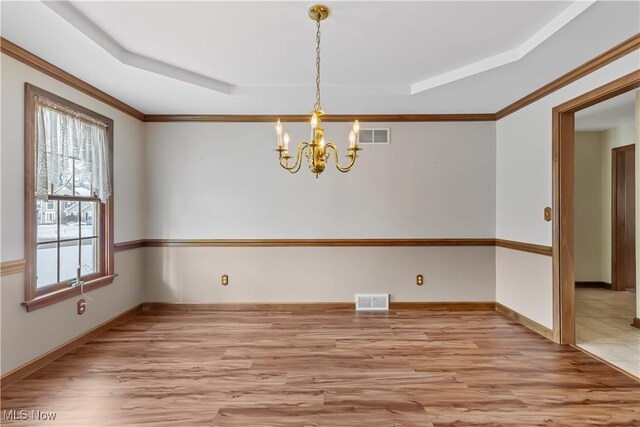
(614, 210)
(563, 118)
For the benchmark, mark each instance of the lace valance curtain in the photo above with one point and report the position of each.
(65, 138)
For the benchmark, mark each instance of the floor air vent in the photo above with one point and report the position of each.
(372, 302)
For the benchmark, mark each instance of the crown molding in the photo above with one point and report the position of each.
(365, 118)
(616, 52)
(630, 45)
(26, 57)
(35, 62)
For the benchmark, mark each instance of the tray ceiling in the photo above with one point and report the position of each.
(378, 57)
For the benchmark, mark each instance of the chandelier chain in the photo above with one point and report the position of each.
(316, 150)
(317, 105)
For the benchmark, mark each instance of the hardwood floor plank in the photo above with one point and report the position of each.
(325, 368)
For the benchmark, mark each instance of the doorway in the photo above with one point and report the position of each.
(620, 227)
(563, 117)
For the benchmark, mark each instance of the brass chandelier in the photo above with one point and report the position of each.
(317, 151)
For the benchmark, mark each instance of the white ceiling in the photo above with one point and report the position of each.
(608, 114)
(258, 57)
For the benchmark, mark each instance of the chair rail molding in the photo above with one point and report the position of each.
(508, 244)
(13, 267)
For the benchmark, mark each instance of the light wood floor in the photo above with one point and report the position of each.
(337, 369)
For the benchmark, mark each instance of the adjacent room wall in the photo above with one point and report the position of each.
(524, 185)
(26, 336)
(593, 181)
(221, 181)
(589, 201)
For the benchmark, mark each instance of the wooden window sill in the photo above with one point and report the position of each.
(61, 295)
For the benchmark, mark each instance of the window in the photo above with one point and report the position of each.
(69, 217)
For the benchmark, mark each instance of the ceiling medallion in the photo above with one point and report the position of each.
(316, 151)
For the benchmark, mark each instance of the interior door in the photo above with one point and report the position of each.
(624, 219)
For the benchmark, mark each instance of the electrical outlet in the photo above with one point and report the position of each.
(225, 279)
(419, 280)
(82, 306)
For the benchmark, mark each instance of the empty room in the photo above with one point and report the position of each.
(288, 213)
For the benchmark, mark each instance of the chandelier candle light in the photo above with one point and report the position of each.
(317, 151)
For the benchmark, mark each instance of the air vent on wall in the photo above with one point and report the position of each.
(374, 136)
(372, 302)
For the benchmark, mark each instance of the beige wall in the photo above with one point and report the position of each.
(327, 274)
(593, 181)
(527, 273)
(222, 180)
(216, 181)
(28, 335)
